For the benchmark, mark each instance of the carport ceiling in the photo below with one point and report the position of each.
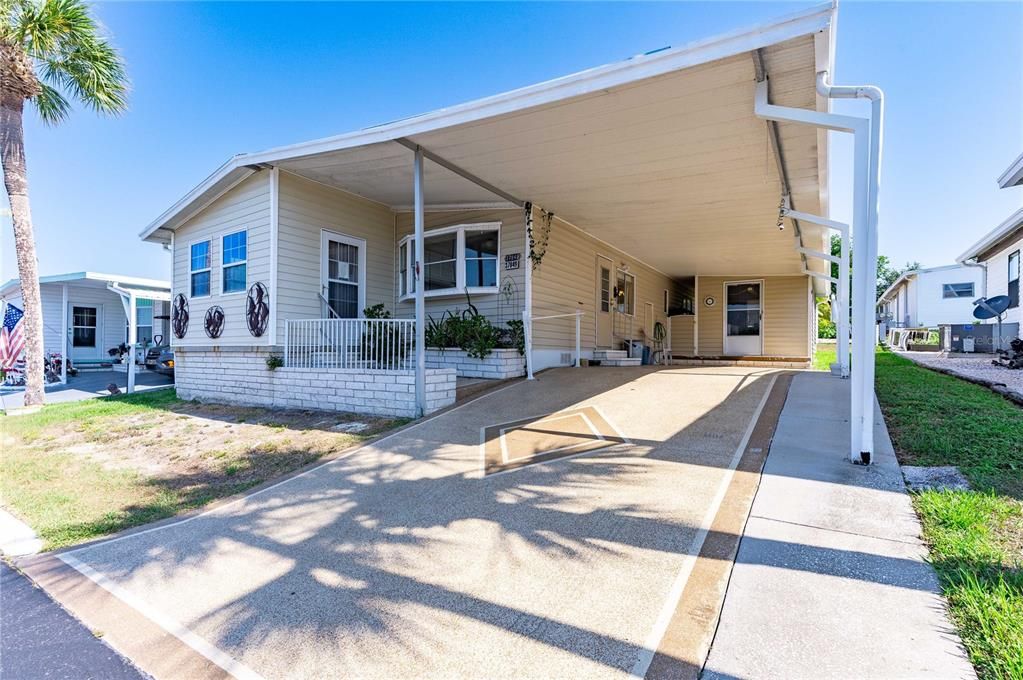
(674, 169)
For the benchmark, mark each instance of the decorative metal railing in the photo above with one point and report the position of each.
(367, 344)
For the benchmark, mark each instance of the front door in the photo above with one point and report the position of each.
(343, 274)
(743, 318)
(604, 302)
(86, 332)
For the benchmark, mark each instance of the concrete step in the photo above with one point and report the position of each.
(605, 354)
(621, 361)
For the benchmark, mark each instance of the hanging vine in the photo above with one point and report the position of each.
(538, 238)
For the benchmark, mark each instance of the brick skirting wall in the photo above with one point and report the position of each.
(240, 376)
(498, 365)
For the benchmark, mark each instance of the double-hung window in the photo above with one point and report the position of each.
(455, 259)
(199, 268)
(1014, 280)
(233, 266)
(957, 290)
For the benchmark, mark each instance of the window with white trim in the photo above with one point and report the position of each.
(233, 275)
(625, 292)
(455, 259)
(957, 290)
(199, 269)
(143, 322)
(1013, 288)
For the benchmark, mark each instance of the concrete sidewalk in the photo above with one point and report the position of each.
(830, 579)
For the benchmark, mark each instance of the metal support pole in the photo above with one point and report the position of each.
(527, 309)
(133, 337)
(420, 220)
(527, 331)
(64, 326)
(578, 341)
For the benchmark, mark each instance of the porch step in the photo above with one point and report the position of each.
(610, 354)
(621, 361)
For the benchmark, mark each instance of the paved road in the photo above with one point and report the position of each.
(38, 639)
(403, 560)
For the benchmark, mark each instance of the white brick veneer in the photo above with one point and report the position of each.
(499, 364)
(241, 377)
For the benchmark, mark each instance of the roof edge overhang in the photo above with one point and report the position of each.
(905, 276)
(133, 281)
(1013, 175)
(818, 20)
(1013, 222)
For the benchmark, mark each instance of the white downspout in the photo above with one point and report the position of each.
(865, 313)
(865, 188)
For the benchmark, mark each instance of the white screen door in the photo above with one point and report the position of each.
(743, 318)
(86, 332)
(343, 272)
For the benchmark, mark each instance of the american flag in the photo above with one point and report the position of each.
(12, 340)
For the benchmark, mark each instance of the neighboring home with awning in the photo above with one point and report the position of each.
(677, 200)
(85, 314)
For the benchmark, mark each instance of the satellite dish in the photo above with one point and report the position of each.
(991, 308)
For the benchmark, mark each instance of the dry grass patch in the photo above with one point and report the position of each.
(78, 471)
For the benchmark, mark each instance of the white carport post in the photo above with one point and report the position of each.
(130, 302)
(866, 184)
(842, 330)
(63, 338)
(420, 219)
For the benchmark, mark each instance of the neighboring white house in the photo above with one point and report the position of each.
(931, 296)
(998, 255)
(85, 313)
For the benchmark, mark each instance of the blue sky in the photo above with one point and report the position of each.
(214, 79)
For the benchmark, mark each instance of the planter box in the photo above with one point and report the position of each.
(499, 364)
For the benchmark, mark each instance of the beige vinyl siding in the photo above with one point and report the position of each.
(683, 337)
(998, 277)
(306, 208)
(785, 325)
(566, 280)
(498, 307)
(246, 206)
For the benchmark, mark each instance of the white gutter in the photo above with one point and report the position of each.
(1013, 175)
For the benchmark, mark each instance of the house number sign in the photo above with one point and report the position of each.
(511, 261)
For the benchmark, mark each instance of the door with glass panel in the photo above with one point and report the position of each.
(605, 302)
(343, 272)
(743, 318)
(86, 332)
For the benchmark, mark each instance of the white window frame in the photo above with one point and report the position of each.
(635, 292)
(225, 267)
(360, 243)
(209, 268)
(460, 287)
(946, 287)
(152, 320)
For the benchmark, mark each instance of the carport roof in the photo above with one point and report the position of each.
(99, 280)
(659, 155)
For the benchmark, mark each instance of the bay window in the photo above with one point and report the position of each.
(455, 259)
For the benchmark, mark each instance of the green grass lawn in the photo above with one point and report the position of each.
(975, 537)
(81, 470)
(824, 357)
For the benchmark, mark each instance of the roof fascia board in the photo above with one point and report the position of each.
(1013, 175)
(172, 216)
(1014, 220)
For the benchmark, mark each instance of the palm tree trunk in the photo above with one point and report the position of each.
(12, 155)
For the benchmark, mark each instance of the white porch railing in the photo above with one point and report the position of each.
(367, 344)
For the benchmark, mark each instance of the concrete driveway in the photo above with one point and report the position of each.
(405, 559)
(89, 385)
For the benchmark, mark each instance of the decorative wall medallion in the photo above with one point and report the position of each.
(709, 301)
(257, 309)
(179, 316)
(214, 322)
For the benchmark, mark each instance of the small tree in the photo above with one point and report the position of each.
(49, 50)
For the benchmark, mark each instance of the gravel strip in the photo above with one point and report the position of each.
(1005, 381)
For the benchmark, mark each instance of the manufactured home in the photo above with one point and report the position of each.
(637, 211)
(85, 314)
(929, 296)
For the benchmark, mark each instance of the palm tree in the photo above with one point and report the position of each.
(49, 50)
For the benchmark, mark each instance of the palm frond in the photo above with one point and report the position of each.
(52, 106)
(72, 55)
